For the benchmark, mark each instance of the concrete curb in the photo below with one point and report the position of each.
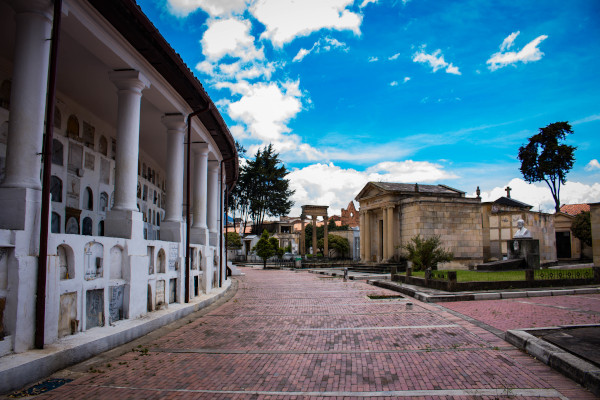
(467, 296)
(582, 372)
(18, 370)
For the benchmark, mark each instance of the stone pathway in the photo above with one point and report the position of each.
(288, 335)
(532, 312)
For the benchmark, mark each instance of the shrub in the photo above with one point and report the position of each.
(425, 254)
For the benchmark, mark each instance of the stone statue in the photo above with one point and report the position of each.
(522, 232)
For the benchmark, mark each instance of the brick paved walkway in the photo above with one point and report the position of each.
(532, 312)
(288, 335)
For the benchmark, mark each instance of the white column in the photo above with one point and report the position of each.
(124, 220)
(384, 235)
(28, 94)
(175, 135)
(213, 199)
(130, 85)
(171, 227)
(199, 201)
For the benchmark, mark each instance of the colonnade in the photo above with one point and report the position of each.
(314, 212)
(370, 234)
(21, 186)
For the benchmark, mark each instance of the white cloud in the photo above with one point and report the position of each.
(214, 8)
(367, 2)
(373, 59)
(286, 20)
(394, 83)
(435, 60)
(322, 45)
(406, 79)
(529, 53)
(593, 165)
(538, 195)
(331, 185)
(394, 57)
(230, 37)
(591, 118)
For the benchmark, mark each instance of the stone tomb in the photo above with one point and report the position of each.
(115, 305)
(94, 310)
(526, 249)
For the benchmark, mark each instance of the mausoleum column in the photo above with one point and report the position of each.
(130, 84)
(383, 238)
(28, 94)
(302, 236)
(325, 236)
(314, 235)
(362, 234)
(199, 202)
(175, 136)
(367, 240)
(390, 232)
(170, 229)
(213, 200)
(123, 219)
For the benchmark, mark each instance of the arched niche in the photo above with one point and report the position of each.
(55, 223)
(73, 127)
(101, 228)
(57, 152)
(103, 146)
(66, 262)
(56, 188)
(103, 202)
(161, 261)
(88, 198)
(57, 118)
(5, 89)
(116, 262)
(72, 226)
(86, 226)
(93, 260)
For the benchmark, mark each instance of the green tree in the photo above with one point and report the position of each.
(275, 244)
(234, 242)
(545, 159)
(426, 253)
(582, 227)
(237, 201)
(335, 242)
(265, 190)
(264, 248)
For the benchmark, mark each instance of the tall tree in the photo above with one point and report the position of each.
(544, 158)
(238, 198)
(264, 248)
(582, 227)
(267, 190)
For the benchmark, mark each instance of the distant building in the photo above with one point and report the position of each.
(350, 216)
(568, 247)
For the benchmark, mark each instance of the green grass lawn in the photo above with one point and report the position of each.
(484, 276)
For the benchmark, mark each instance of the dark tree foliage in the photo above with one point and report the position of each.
(264, 248)
(233, 241)
(545, 159)
(582, 227)
(334, 242)
(238, 198)
(426, 253)
(262, 189)
(331, 227)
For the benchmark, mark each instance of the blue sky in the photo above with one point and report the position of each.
(402, 90)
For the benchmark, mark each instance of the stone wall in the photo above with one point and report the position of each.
(457, 221)
(503, 224)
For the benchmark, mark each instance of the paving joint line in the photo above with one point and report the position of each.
(327, 352)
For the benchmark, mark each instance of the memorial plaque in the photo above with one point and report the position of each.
(94, 310)
(172, 290)
(68, 313)
(160, 292)
(90, 160)
(173, 255)
(115, 305)
(104, 171)
(73, 185)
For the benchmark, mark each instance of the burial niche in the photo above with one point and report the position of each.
(88, 199)
(94, 308)
(93, 260)
(73, 127)
(56, 188)
(86, 226)
(116, 263)
(68, 324)
(115, 303)
(161, 261)
(66, 262)
(57, 152)
(55, 223)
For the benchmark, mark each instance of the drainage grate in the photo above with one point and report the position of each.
(383, 297)
(40, 388)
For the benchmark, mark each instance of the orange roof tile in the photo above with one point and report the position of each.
(574, 209)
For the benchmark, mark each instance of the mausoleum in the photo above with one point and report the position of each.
(122, 126)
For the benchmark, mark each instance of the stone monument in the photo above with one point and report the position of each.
(523, 246)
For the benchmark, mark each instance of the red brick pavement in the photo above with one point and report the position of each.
(532, 312)
(289, 335)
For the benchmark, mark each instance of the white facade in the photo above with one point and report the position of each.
(116, 247)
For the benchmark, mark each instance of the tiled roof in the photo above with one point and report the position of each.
(410, 187)
(507, 201)
(574, 209)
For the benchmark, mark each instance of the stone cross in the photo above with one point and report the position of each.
(508, 189)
